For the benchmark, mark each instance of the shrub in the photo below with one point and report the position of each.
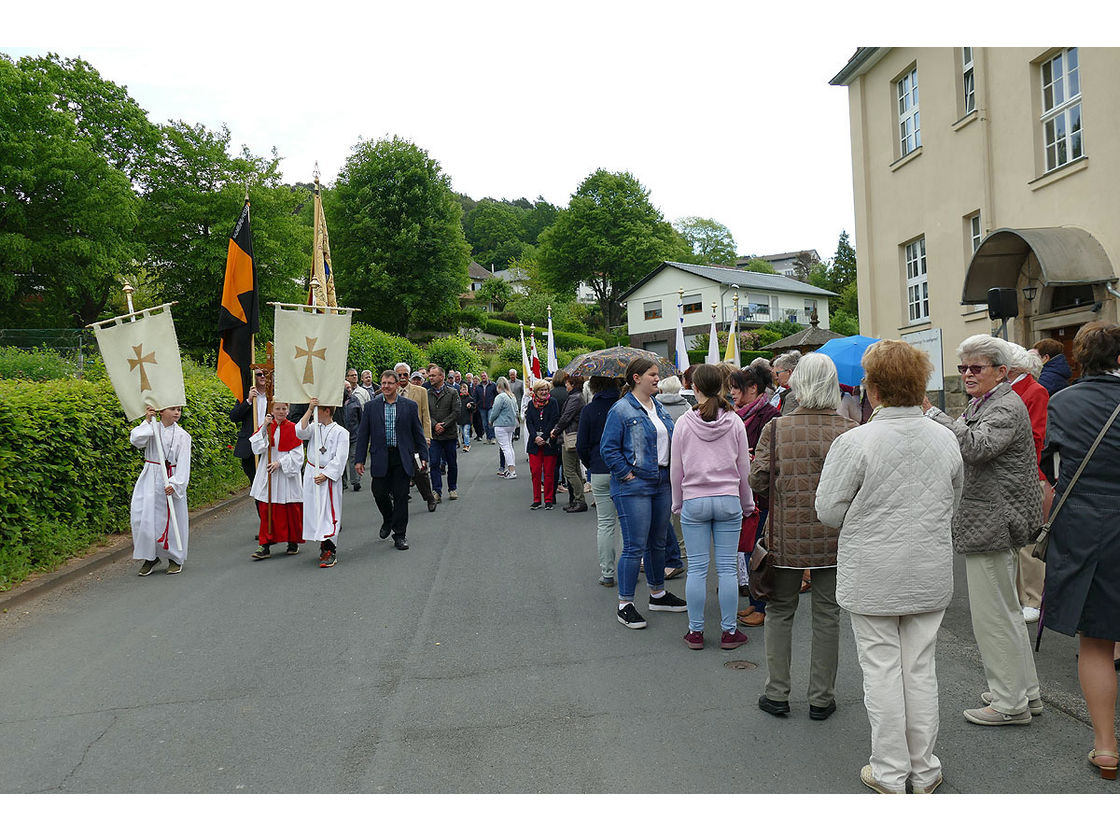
(377, 350)
(471, 317)
(454, 352)
(498, 326)
(52, 507)
(696, 357)
(38, 365)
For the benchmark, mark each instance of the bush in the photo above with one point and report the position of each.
(696, 357)
(454, 353)
(472, 317)
(498, 326)
(52, 507)
(377, 351)
(37, 365)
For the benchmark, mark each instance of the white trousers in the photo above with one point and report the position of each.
(897, 655)
(504, 436)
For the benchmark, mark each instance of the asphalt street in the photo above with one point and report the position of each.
(484, 659)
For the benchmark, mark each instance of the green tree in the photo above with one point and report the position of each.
(710, 241)
(195, 195)
(842, 272)
(819, 276)
(759, 265)
(609, 236)
(495, 290)
(495, 232)
(67, 215)
(397, 235)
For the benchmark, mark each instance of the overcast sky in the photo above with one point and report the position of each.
(719, 110)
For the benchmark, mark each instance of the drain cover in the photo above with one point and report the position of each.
(740, 665)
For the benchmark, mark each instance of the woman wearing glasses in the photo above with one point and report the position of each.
(1000, 510)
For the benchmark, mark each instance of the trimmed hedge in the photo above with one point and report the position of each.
(568, 341)
(67, 469)
(453, 352)
(696, 357)
(376, 350)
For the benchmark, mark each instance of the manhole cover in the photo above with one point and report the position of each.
(740, 665)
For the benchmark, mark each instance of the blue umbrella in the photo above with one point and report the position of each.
(847, 353)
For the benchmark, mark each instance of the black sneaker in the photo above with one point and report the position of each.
(535, 506)
(629, 616)
(261, 553)
(548, 506)
(146, 569)
(293, 548)
(668, 602)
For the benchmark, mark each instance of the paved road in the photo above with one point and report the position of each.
(485, 659)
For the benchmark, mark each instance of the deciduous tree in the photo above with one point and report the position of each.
(710, 241)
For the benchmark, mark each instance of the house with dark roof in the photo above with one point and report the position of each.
(704, 290)
(784, 263)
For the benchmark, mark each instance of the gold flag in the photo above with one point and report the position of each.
(310, 355)
(321, 286)
(142, 360)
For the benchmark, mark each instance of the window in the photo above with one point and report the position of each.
(917, 287)
(652, 309)
(1061, 109)
(692, 303)
(810, 308)
(758, 307)
(968, 77)
(909, 121)
(974, 231)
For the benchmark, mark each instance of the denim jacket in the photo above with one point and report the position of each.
(629, 443)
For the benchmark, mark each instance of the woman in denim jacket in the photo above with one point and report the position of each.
(635, 448)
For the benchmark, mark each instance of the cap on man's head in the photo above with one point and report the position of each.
(417, 377)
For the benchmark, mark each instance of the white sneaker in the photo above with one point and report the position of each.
(511, 474)
(1030, 615)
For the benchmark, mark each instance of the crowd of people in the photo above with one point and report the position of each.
(861, 496)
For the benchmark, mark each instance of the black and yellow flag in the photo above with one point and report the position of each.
(238, 317)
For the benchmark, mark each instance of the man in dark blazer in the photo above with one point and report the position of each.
(391, 434)
(243, 413)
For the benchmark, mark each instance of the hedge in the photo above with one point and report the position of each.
(696, 357)
(377, 351)
(568, 341)
(453, 352)
(67, 469)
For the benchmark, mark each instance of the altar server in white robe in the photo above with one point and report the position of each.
(282, 504)
(326, 464)
(152, 540)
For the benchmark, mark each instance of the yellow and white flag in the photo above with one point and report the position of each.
(142, 360)
(310, 354)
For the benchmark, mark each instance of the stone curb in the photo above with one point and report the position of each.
(87, 565)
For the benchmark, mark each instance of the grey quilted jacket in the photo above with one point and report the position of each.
(1002, 503)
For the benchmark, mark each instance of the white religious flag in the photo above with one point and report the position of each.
(310, 354)
(142, 360)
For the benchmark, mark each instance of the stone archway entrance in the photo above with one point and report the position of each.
(1062, 276)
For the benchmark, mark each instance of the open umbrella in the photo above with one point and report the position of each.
(847, 353)
(613, 361)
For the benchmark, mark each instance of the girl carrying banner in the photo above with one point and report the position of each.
(278, 485)
(326, 464)
(153, 498)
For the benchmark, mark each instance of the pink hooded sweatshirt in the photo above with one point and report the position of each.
(710, 459)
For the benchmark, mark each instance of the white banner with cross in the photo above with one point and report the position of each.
(141, 354)
(310, 348)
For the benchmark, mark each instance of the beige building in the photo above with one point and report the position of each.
(978, 168)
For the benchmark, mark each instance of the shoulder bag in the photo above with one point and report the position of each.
(760, 571)
(1042, 536)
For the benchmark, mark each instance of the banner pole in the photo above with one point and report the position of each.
(319, 458)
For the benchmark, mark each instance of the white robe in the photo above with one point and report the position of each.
(287, 481)
(150, 504)
(324, 523)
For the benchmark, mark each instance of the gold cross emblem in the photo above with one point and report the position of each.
(311, 353)
(139, 362)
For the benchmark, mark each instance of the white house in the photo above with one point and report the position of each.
(651, 304)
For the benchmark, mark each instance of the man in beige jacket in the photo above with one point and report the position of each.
(418, 395)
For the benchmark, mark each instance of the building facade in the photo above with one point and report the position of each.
(651, 304)
(977, 168)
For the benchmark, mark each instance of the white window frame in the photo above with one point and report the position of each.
(917, 281)
(976, 236)
(1061, 108)
(968, 80)
(909, 117)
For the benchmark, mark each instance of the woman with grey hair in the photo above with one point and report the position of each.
(999, 512)
(801, 442)
(782, 370)
(503, 417)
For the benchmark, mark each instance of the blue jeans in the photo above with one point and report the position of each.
(465, 433)
(438, 452)
(703, 520)
(672, 549)
(644, 518)
(486, 427)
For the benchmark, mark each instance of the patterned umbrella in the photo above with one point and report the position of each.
(613, 361)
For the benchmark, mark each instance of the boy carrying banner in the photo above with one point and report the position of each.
(153, 497)
(278, 485)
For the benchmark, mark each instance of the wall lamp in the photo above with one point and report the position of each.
(1029, 292)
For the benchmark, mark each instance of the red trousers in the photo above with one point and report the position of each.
(287, 523)
(545, 464)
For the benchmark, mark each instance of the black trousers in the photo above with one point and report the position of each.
(390, 491)
(249, 465)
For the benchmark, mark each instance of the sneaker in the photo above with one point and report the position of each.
(511, 474)
(1033, 706)
(502, 473)
(930, 788)
(987, 716)
(174, 568)
(146, 569)
(535, 506)
(629, 616)
(452, 495)
(548, 506)
(261, 553)
(668, 602)
(1030, 614)
(695, 639)
(491, 441)
(438, 497)
(327, 559)
(868, 779)
(293, 548)
(355, 487)
(732, 640)
(606, 580)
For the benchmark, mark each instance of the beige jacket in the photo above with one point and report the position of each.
(419, 395)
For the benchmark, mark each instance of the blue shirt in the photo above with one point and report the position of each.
(391, 423)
